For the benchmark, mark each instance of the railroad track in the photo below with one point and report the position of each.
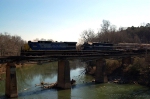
(40, 55)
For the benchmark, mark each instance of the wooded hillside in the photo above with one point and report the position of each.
(109, 33)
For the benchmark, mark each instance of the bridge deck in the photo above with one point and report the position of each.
(30, 55)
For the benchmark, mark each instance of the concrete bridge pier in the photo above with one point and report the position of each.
(11, 81)
(100, 74)
(63, 80)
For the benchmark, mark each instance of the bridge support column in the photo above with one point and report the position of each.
(126, 61)
(63, 80)
(11, 81)
(100, 74)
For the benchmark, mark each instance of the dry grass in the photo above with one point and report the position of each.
(111, 65)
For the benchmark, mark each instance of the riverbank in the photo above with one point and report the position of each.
(135, 73)
(3, 66)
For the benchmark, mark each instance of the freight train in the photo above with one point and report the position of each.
(49, 45)
(41, 46)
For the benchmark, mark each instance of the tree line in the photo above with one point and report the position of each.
(109, 33)
(10, 45)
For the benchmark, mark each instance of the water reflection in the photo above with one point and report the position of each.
(64, 94)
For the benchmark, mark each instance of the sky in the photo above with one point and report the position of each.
(65, 20)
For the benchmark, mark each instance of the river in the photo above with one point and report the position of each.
(28, 76)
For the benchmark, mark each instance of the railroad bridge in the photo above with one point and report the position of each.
(63, 79)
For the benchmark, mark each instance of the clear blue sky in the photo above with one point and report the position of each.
(65, 20)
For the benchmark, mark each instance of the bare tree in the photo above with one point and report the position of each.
(50, 40)
(88, 35)
(42, 39)
(112, 28)
(10, 45)
(105, 26)
(37, 39)
(137, 39)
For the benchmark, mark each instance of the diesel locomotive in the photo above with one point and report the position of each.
(97, 46)
(48, 45)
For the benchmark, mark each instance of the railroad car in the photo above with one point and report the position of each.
(48, 45)
(127, 46)
(97, 46)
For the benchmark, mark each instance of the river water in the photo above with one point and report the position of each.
(28, 76)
